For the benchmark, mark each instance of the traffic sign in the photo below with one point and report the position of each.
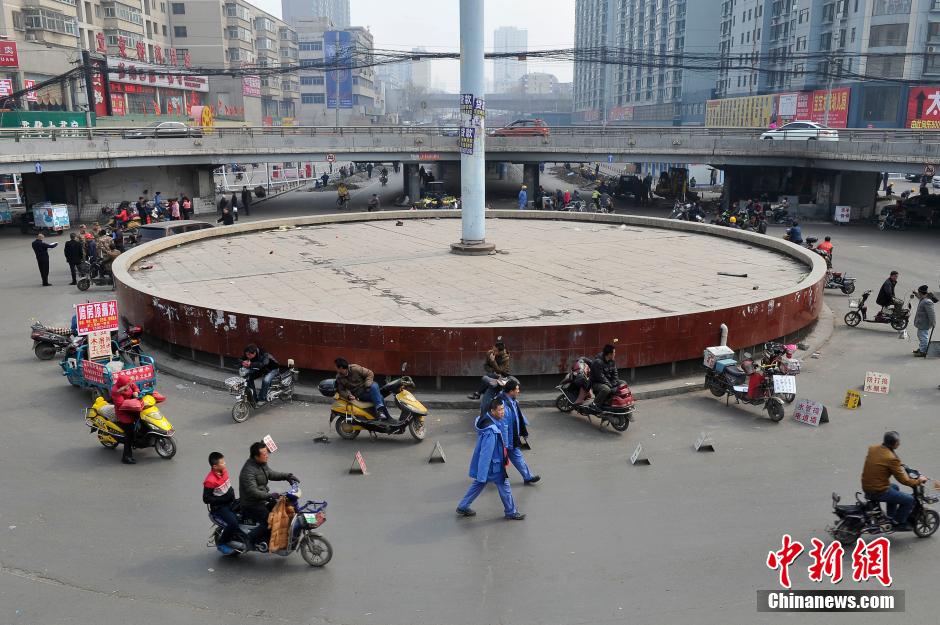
(929, 169)
(610, 158)
(330, 158)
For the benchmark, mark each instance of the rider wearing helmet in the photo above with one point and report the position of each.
(124, 395)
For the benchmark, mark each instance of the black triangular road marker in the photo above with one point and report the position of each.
(437, 454)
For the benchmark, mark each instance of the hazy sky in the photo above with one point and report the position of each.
(435, 25)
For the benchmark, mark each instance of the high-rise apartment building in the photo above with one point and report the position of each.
(336, 11)
(508, 71)
(638, 75)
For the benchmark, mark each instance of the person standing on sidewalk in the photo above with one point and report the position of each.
(41, 249)
(246, 200)
(488, 463)
(74, 254)
(924, 319)
(523, 197)
(514, 426)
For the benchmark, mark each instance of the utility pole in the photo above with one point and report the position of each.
(472, 166)
(828, 89)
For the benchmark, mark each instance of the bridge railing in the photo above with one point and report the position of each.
(674, 133)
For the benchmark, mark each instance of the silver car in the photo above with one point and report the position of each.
(163, 130)
(801, 131)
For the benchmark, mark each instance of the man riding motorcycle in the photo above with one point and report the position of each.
(342, 193)
(254, 494)
(354, 382)
(881, 463)
(604, 375)
(260, 364)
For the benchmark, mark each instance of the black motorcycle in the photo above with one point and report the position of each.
(48, 342)
(867, 517)
(282, 388)
(91, 271)
(896, 315)
(749, 383)
(575, 390)
(780, 216)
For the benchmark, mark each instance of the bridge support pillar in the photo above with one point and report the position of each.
(412, 183)
(530, 178)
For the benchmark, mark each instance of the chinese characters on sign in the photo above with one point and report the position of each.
(843, 214)
(93, 372)
(808, 412)
(853, 400)
(143, 373)
(8, 56)
(869, 561)
(785, 384)
(6, 87)
(877, 382)
(466, 104)
(269, 443)
(99, 344)
(251, 86)
(97, 316)
(479, 111)
(467, 136)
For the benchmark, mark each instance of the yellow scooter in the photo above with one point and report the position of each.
(352, 417)
(154, 429)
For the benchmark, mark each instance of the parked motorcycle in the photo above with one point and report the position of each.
(383, 179)
(301, 536)
(779, 357)
(575, 394)
(747, 382)
(687, 212)
(48, 342)
(867, 517)
(779, 215)
(282, 388)
(838, 280)
(91, 271)
(351, 417)
(897, 316)
(154, 430)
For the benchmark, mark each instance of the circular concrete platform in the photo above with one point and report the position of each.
(378, 293)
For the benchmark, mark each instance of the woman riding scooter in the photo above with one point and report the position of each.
(126, 397)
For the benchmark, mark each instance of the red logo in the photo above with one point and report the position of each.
(870, 560)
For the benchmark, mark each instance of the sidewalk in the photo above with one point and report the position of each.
(306, 389)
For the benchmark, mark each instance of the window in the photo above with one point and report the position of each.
(179, 31)
(891, 7)
(312, 98)
(852, 40)
(164, 30)
(311, 80)
(888, 35)
(178, 8)
(111, 36)
(311, 46)
(886, 66)
(236, 10)
(163, 7)
(44, 19)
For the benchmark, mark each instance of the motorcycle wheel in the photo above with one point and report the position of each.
(848, 289)
(787, 398)
(44, 351)
(165, 447)
(775, 409)
(83, 284)
(852, 318)
(240, 411)
(619, 423)
(287, 394)
(927, 523)
(563, 404)
(715, 387)
(108, 444)
(345, 430)
(881, 225)
(315, 550)
(899, 324)
(416, 429)
(845, 532)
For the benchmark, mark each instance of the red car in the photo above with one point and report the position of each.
(523, 128)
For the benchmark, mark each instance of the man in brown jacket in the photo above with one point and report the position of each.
(880, 464)
(496, 366)
(356, 382)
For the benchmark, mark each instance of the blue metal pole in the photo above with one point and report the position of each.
(472, 166)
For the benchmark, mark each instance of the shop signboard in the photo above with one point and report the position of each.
(746, 112)
(8, 55)
(251, 86)
(137, 72)
(811, 106)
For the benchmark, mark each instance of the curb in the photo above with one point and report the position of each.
(815, 340)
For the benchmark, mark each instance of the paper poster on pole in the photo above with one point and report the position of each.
(843, 214)
(785, 384)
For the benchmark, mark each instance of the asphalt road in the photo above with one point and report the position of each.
(684, 540)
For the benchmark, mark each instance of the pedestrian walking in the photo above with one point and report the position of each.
(74, 254)
(223, 202)
(41, 249)
(186, 206)
(566, 197)
(514, 426)
(924, 319)
(488, 464)
(175, 210)
(523, 197)
(559, 198)
(246, 200)
(369, 169)
(325, 178)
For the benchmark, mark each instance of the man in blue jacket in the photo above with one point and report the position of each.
(488, 463)
(513, 426)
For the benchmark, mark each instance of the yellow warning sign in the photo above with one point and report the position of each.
(853, 400)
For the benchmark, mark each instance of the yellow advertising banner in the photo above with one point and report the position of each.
(747, 112)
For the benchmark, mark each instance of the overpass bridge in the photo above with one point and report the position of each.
(97, 149)
(504, 102)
